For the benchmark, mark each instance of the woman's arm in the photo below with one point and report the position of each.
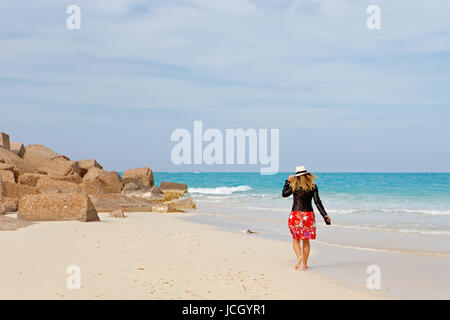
(319, 206)
(287, 190)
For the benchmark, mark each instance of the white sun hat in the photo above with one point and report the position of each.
(300, 171)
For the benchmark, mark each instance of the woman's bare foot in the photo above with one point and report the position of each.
(304, 268)
(297, 265)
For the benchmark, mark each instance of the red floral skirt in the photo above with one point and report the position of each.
(302, 225)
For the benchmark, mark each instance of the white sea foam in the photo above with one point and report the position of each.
(421, 252)
(416, 211)
(360, 211)
(403, 230)
(220, 190)
(392, 210)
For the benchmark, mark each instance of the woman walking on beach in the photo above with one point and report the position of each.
(302, 223)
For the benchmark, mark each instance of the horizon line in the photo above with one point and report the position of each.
(310, 172)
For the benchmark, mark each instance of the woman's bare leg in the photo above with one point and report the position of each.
(306, 249)
(298, 252)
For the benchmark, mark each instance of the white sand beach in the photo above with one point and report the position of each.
(162, 150)
(156, 256)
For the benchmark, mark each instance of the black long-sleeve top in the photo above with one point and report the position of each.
(303, 199)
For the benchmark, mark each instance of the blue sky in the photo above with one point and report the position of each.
(345, 98)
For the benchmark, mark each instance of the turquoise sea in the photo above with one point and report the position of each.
(397, 204)
(397, 221)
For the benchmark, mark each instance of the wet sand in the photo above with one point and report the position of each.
(411, 266)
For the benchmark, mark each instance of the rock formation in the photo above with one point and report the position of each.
(4, 141)
(152, 193)
(85, 165)
(186, 203)
(11, 224)
(142, 177)
(59, 166)
(57, 207)
(19, 165)
(117, 213)
(7, 175)
(17, 191)
(17, 148)
(164, 207)
(130, 188)
(6, 166)
(30, 179)
(110, 181)
(74, 178)
(43, 185)
(172, 186)
(109, 202)
(9, 205)
(36, 154)
(48, 185)
(92, 187)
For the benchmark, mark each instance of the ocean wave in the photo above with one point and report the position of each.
(355, 211)
(402, 230)
(421, 252)
(220, 190)
(393, 210)
(416, 211)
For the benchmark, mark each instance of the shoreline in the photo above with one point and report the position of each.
(401, 251)
(275, 224)
(404, 273)
(156, 256)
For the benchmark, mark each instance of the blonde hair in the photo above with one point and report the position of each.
(306, 182)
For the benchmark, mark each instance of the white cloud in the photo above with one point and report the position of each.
(211, 52)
